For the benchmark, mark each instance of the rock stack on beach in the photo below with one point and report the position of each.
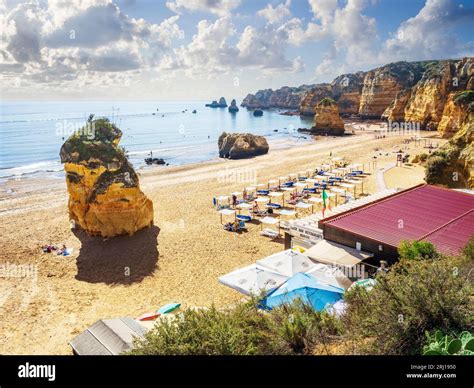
(104, 193)
(327, 120)
(241, 145)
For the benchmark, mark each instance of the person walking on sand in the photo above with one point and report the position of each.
(234, 200)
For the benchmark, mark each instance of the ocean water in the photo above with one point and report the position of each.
(31, 134)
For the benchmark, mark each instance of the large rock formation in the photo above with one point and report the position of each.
(104, 193)
(241, 145)
(327, 120)
(285, 97)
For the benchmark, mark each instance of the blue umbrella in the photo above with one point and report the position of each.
(305, 287)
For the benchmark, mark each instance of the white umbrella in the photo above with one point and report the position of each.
(287, 263)
(253, 279)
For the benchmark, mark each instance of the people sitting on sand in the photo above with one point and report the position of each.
(49, 248)
(65, 251)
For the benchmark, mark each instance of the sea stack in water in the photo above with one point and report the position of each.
(104, 193)
(327, 120)
(241, 145)
(233, 108)
(258, 112)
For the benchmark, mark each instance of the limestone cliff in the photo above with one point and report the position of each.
(285, 97)
(421, 93)
(104, 193)
(383, 84)
(312, 97)
(453, 164)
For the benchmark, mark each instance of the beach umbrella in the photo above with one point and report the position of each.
(253, 279)
(287, 263)
(226, 212)
(308, 289)
(331, 275)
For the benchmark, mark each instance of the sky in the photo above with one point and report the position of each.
(169, 50)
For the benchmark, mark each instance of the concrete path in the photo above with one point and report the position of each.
(380, 180)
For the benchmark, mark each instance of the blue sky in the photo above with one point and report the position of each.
(201, 49)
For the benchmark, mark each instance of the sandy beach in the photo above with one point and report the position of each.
(177, 260)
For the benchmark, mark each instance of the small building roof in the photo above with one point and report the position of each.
(108, 337)
(329, 252)
(423, 212)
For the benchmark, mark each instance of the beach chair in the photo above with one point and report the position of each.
(267, 232)
(274, 205)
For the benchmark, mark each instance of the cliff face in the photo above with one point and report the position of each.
(104, 194)
(312, 97)
(285, 97)
(453, 164)
(346, 90)
(382, 85)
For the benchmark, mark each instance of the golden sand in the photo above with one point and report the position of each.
(178, 260)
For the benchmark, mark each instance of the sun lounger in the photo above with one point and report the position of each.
(274, 205)
(269, 233)
(263, 192)
(244, 218)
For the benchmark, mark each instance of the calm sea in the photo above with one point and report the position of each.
(31, 134)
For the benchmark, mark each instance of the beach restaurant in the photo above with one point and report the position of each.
(441, 216)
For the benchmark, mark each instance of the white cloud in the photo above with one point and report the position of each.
(61, 40)
(427, 35)
(276, 14)
(210, 52)
(218, 7)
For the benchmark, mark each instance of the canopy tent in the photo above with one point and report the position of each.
(329, 252)
(253, 279)
(330, 275)
(306, 288)
(287, 263)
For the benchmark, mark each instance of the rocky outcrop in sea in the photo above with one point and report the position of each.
(241, 145)
(233, 108)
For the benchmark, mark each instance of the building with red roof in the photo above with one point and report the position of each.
(441, 216)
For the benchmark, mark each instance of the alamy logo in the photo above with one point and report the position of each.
(37, 371)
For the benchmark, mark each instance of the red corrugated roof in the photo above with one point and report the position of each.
(439, 215)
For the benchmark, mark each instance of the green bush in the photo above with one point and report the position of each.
(423, 157)
(435, 170)
(415, 297)
(242, 330)
(417, 250)
(468, 250)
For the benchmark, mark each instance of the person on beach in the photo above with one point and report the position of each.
(234, 200)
